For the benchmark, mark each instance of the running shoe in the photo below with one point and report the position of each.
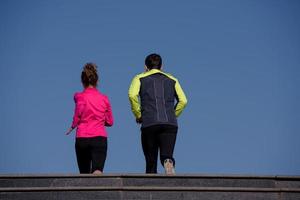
(169, 167)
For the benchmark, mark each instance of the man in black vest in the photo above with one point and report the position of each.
(152, 97)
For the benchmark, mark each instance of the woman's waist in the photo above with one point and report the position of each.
(85, 133)
(91, 126)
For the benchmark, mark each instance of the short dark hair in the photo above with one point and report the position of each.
(89, 75)
(153, 61)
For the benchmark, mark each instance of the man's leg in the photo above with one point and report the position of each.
(150, 147)
(167, 140)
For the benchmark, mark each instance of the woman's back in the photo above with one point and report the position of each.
(94, 113)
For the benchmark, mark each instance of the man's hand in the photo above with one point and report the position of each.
(139, 120)
(69, 131)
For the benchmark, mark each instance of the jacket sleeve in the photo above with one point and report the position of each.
(133, 94)
(109, 119)
(181, 99)
(79, 106)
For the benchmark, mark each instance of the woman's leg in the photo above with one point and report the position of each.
(98, 152)
(83, 155)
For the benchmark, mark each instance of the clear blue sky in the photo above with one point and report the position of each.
(237, 60)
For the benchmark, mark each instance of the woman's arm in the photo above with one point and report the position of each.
(109, 119)
(79, 106)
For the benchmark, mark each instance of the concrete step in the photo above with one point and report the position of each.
(149, 180)
(141, 186)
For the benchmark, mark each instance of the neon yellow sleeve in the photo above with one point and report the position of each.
(182, 100)
(133, 94)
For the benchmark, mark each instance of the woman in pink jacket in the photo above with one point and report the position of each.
(92, 113)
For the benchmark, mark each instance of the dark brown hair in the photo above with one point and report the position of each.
(153, 61)
(89, 75)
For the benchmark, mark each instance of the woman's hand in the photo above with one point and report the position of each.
(69, 131)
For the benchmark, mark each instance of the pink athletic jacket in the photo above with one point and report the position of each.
(92, 113)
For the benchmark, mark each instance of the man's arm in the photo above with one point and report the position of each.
(133, 94)
(181, 98)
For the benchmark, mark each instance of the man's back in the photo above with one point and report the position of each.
(157, 91)
(157, 94)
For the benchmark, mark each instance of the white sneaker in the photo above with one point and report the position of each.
(169, 167)
(97, 172)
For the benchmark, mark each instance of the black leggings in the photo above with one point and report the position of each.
(158, 137)
(91, 154)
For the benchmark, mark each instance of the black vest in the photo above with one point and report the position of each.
(157, 95)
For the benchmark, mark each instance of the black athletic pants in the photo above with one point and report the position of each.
(91, 154)
(158, 138)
